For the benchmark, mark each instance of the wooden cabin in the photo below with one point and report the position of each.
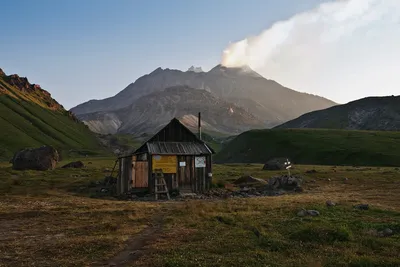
(185, 160)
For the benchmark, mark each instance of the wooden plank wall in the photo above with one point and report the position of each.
(141, 174)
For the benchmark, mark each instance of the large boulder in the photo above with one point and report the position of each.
(75, 164)
(40, 159)
(275, 164)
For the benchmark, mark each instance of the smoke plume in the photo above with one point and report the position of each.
(343, 50)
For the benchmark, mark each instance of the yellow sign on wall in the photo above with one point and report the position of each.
(168, 164)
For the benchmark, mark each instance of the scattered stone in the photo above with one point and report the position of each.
(104, 190)
(40, 159)
(362, 206)
(75, 164)
(74, 176)
(89, 162)
(107, 170)
(313, 212)
(329, 179)
(311, 171)
(385, 233)
(330, 203)
(304, 212)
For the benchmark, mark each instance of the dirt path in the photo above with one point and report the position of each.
(136, 246)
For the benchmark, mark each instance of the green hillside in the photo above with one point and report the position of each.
(26, 121)
(311, 146)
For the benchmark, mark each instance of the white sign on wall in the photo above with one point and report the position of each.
(200, 162)
(182, 164)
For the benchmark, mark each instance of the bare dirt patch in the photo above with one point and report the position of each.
(137, 245)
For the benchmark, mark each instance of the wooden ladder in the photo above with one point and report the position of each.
(160, 184)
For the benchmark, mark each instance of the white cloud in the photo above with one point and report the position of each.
(343, 50)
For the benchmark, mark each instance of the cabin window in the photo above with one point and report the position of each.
(142, 157)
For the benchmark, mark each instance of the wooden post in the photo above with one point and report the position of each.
(120, 176)
(203, 187)
(150, 174)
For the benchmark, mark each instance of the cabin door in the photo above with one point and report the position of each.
(185, 174)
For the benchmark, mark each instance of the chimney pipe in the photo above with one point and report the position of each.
(199, 125)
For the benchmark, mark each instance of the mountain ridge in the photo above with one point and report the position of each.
(369, 113)
(265, 99)
(181, 102)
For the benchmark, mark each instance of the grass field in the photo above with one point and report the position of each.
(49, 219)
(315, 146)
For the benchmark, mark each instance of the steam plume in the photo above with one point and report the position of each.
(343, 50)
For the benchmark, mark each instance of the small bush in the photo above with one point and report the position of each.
(272, 244)
(367, 262)
(226, 219)
(218, 184)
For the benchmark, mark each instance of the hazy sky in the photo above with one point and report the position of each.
(92, 49)
(343, 50)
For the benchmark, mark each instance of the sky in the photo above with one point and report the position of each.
(343, 50)
(91, 49)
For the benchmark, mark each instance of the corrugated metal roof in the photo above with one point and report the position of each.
(178, 148)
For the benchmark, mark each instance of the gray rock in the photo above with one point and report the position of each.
(104, 190)
(330, 203)
(75, 164)
(385, 233)
(304, 212)
(312, 212)
(275, 164)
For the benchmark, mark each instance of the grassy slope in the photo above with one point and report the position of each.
(310, 146)
(28, 124)
(81, 231)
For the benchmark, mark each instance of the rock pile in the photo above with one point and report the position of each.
(285, 182)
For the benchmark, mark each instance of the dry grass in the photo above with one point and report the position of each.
(44, 222)
(60, 227)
